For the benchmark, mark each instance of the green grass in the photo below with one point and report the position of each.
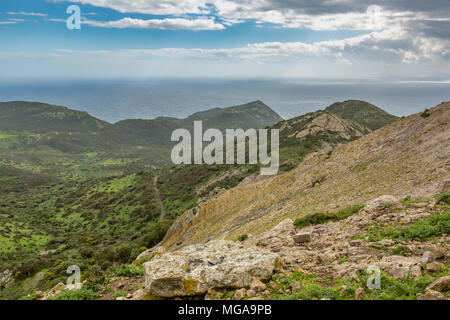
(82, 294)
(311, 287)
(320, 218)
(421, 230)
(128, 270)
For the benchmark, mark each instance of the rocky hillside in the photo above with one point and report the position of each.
(406, 158)
(363, 113)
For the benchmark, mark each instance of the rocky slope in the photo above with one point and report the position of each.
(408, 157)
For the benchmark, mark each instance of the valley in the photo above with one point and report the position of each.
(98, 195)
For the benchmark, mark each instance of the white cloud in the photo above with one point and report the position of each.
(35, 14)
(164, 24)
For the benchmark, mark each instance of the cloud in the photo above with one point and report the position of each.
(35, 14)
(163, 24)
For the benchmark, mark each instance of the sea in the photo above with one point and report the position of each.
(119, 99)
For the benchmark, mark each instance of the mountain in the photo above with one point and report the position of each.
(45, 142)
(318, 131)
(406, 158)
(363, 113)
(103, 206)
(39, 117)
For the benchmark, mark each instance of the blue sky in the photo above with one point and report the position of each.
(225, 38)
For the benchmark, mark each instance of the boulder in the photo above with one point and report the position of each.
(440, 284)
(433, 267)
(359, 293)
(431, 295)
(437, 252)
(302, 237)
(196, 269)
(6, 279)
(401, 267)
(428, 257)
(257, 285)
(381, 203)
(240, 294)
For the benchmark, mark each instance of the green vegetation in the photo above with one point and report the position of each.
(319, 218)
(425, 114)
(310, 287)
(443, 198)
(242, 237)
(130, 270)
(76, 190)
(82, 294)
(363, 113)
(421, 230)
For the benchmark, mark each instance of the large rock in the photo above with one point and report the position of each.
(381, 203)
(401, 267)
(6, 279)
(196, 269)
(440, 284)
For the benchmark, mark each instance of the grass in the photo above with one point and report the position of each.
(319, 218)
(309, 286)
(128, 270)
(82, 294)
(421, 230)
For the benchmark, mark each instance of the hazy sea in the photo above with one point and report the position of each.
(114, 100)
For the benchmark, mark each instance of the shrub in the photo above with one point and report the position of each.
(425, 114)
(82, 294)
(443, 198)
(319, 218)
(128, 270)
(242, 237)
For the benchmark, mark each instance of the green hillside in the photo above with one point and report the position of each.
(363, 113)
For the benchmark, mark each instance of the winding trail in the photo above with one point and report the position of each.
(158, 199)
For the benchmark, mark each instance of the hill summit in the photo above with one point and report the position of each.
(363, 113)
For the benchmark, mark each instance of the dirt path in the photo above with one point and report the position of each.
(158, 199)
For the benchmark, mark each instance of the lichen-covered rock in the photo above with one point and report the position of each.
(381, 203)
(6, 279)
(401, 267)
(440, 284)
(196, 269)
(431, 295)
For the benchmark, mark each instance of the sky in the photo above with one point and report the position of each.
(323, 39)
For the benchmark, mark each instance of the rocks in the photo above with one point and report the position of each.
(302, 237)
(251, 293)
(240, 294)
(433, 267)
(273, 284)
(381, 203)
(257, 285)
(359, 293)
(401, 267)
(196, 269)
(431, 295)
(6, 279)
(435, 250)
(427, 257)
(355, 243)
(440, 284)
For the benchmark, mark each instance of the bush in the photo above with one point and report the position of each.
(156, 234)
(242, 237)
(128, 270)
(422, 230)
(82, 294)
(443, 198)
(319, 218)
